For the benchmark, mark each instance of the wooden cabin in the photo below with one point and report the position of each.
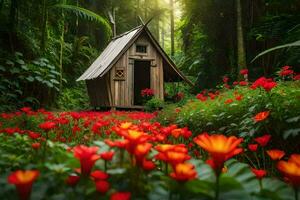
(131, 62)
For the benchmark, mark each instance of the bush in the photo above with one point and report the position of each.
(74, 98)
(225, 114)
(154, 104)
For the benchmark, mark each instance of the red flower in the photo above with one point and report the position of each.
(76, 129)
(296, 77)
(147, 92)
(26, 109)
(99, 175)
(275, 154)
(263, 140)
(102, 186)
(87, 157)
(120, 196)
(259, 173)
(148, 165)
(252, 147)
(33, 135)
(239, 97)
(267, 84)
(47, 126)
(243, 83)
(228, 101)
(261, 116)
(184, 172)
(225, 79)
(201, 97)
(72, 180)
(23, 181)
(36, 145)
(286, 71)
(108, 155)
(244, 71)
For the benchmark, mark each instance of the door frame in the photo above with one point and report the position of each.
(133, 60)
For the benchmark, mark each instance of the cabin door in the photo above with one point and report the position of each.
(141, 79)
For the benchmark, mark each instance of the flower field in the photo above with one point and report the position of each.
(130, 155)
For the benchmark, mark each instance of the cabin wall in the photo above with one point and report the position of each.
(99, 92)
(122, 89)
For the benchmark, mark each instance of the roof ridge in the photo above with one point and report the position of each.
(127, 32)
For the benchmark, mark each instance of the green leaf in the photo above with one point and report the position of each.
(291, 132)
(84, 13)
(2, 68)
(293, 44)
(21, 62)
(275, 189)
(201, 187)
(54, 81)
(30, 78)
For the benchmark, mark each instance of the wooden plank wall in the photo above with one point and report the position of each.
(98, 92)
(123, 91)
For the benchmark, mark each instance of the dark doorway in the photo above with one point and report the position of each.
(141, 79)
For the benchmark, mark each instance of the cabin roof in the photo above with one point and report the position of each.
(116, 49)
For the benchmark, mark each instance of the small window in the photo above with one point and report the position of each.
(141, 48)
(119, 74)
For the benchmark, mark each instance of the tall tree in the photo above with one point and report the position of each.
(241, 54)
(172, 27)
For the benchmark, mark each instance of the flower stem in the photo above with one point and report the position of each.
(296, 193)
(217, 186)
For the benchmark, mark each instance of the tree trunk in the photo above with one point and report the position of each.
(62, 44)
(137, 12)
(44, 27)
(157, 18)
(172, 27)
(241, 55)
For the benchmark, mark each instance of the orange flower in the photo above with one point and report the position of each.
(261, 116)
(220, 147)
(142, 149)
(23, 181)
(87, 157)
(172, 154)
(174, 158)
(275, 154)
(259, 173)
(184, 172)
(295, 158)
(291, 169)
(125, 125)
(176, 132)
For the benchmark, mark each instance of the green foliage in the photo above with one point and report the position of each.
(20, 80)
(293, 44)
(236, 118)
(86, 14)
(154, 104)
(74, 98)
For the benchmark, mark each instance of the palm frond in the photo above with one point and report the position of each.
(293, 44)
(85, 14)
